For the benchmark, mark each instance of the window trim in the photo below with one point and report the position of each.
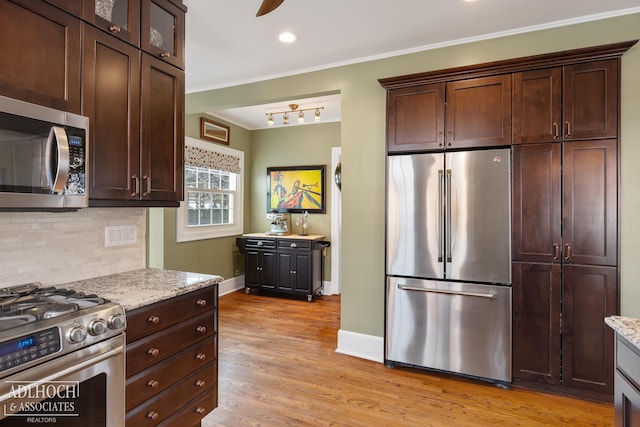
(203, 232)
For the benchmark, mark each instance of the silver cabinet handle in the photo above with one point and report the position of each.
(260, 244)
(293, 245)
(489, 295)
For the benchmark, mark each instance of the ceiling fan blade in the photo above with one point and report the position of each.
(268, 6)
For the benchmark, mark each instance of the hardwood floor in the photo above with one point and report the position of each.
(278, 367)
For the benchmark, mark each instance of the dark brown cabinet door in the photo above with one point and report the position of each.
(415, 118)
(74, 7)
(536, 235)
(591, 100)
(536, 322)
(162, 31)
(478, 112)
(590, 202)
(120, 18)
(589, 295)
(111, 100)
(40, 55)
(162, 135)
(537, 106)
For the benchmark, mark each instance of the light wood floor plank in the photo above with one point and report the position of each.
(278, 367)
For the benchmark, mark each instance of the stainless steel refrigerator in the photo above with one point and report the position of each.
(448, 262)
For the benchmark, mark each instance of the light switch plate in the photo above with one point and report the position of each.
(118, 235)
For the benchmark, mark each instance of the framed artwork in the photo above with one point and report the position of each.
(296, 189)
(213, 131)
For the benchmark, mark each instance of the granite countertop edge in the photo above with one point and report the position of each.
(628, 327)
(138, 288)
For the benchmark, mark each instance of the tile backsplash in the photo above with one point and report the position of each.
(61, 247)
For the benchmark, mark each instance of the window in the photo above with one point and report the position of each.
(213, 192)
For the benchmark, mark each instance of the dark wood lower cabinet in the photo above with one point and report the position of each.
(627, 383)
(590, 294)
(172, 363)
(536, 322)
(559, 334)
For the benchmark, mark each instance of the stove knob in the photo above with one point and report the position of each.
(116, 321)
(77, 334)
(97, 327)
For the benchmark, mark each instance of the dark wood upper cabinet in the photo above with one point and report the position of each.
(478, 112)
(120, 18)
(162, 30)
(460, 114)
(536, 235)
(537, 106)
(590, 97)
(590, 293)
(590, 202)
(162, 131)
(74, 7)
(111, 100)
(573, 102)
(40, 54)
(415, 118)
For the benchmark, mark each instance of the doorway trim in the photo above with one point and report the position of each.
(333, 287)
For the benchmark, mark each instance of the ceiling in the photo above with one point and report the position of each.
(227, 45)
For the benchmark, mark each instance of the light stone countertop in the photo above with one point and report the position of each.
(628, 327)
(142, 287)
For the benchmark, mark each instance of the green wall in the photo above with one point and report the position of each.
(363, 147)
(212, 256)
(292, 146)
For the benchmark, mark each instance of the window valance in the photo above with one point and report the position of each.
(196, 156)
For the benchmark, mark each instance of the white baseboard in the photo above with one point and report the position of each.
(360, 345)
(328, 288)
(231, 285)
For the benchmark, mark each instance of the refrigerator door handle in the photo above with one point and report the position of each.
(488, 295)
(448, 191)
(440, 213)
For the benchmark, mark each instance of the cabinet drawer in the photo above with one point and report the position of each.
(628, 362)
(153, 318)
(260, 243)
(148, 351)
(194, 411)
(294, 244)
(172, 399)
(158, 378)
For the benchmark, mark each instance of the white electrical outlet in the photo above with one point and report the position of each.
(118, 235)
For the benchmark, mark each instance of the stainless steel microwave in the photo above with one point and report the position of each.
(43, 157)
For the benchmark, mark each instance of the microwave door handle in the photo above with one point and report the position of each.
(57, 171)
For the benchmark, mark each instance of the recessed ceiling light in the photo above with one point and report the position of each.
(287, 37)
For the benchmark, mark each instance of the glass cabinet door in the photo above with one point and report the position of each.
(163, 31)
(120, 18)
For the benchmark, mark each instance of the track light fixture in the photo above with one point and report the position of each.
(294, 108)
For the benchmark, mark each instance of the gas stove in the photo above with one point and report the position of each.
(41, 323)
